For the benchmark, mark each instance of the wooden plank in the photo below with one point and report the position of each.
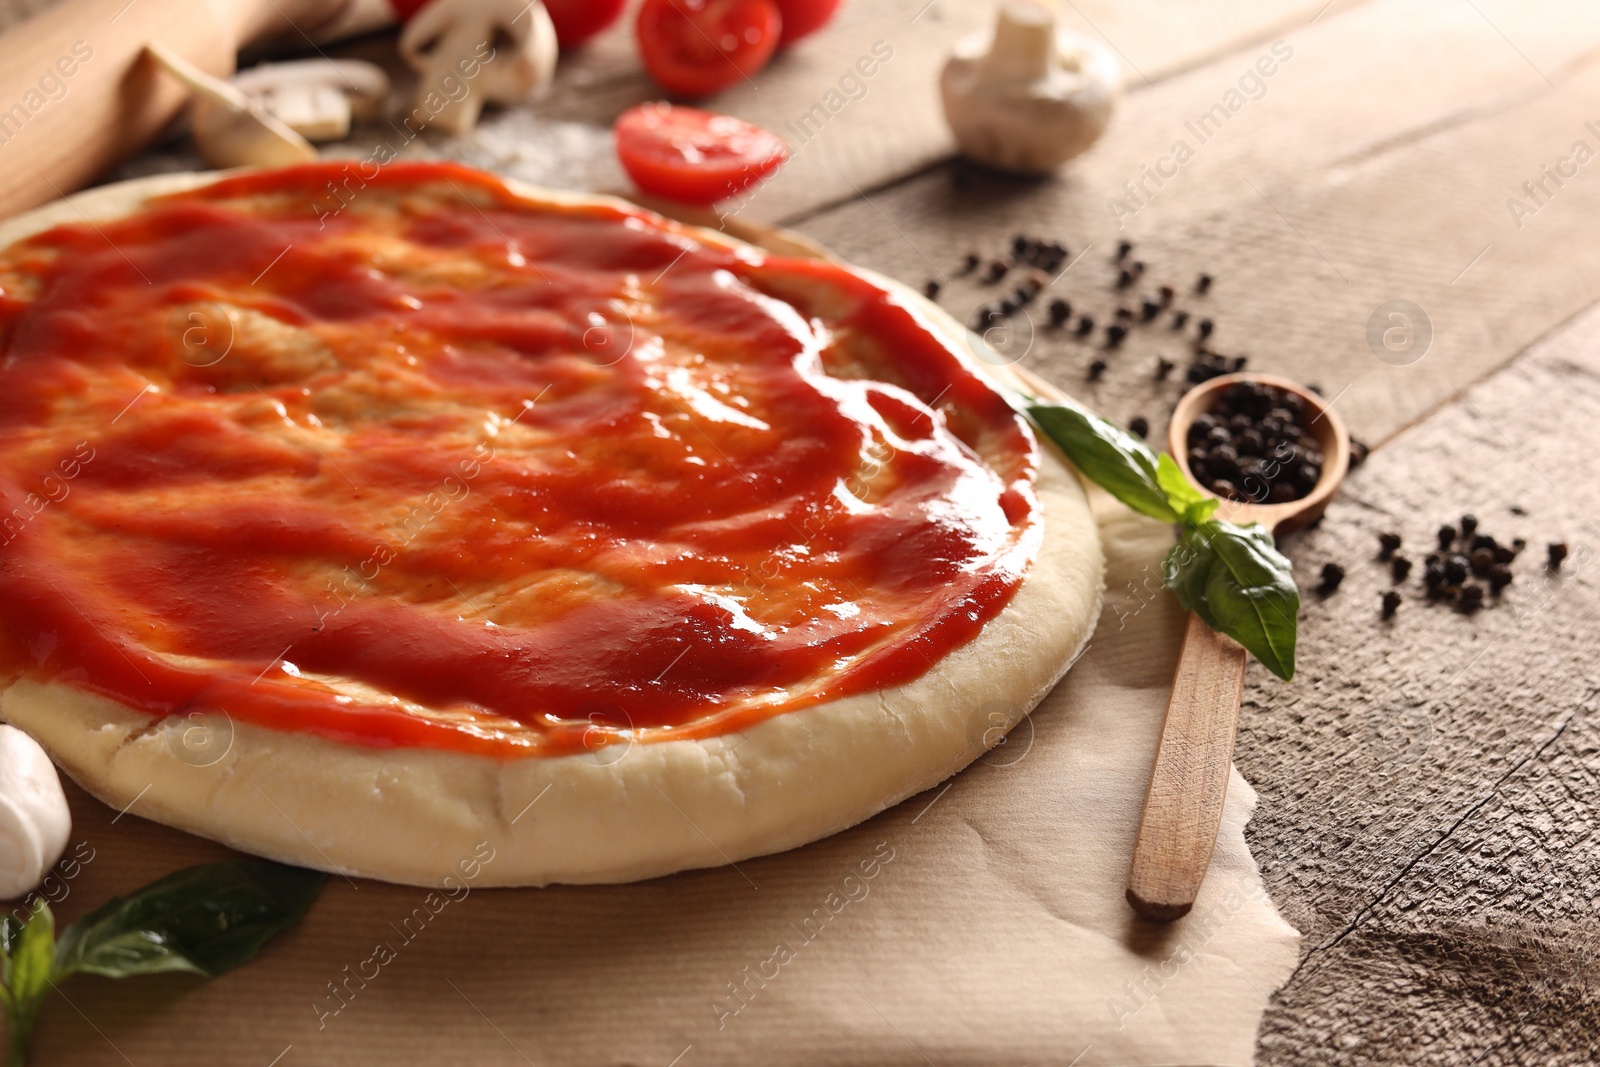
(1368, 171)
(1430, 787)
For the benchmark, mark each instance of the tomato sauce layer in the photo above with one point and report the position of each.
(413, 461)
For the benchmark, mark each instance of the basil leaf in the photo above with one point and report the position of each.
(204, 920)
(1110, 457)
(28, 951)
(1237, 581)
(1190, 503)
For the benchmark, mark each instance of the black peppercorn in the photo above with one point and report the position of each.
(1202, 284)
(1021, 245)
(1391, 603)
(1115, 334)
(1447, 537)
(1332, 575)
(1123, 248)
(1166, 294)
(1060, 311)
(1180, 319)
(1469, 525)
(1163, 368)
(1471, 598)
(1399, 568)
(1387, 544)
(997, 270)
(1455, 569)
(1499, 577)
(1148, 310)
(1206, 326)
(1124, 315)
(1138, 267)
(931, 290)
(1482, 560)
(1124, 278)
(1557, 551)
(971, 263)
(1096, 369)
(1139, 426)
(1085, 326)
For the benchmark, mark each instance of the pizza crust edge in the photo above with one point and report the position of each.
(620, 814)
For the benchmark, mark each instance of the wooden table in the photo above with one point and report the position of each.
(1429, 785)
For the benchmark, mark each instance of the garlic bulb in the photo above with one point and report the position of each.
(34, 821)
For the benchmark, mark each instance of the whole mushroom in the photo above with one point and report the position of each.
(1029, 96)
(508, 46)
(34, 821)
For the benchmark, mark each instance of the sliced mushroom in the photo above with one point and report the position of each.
(317, 98)
(231, 130)
(473, 52)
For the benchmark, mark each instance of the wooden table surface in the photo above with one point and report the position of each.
(1429, 785)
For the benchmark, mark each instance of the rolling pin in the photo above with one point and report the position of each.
(78, 95)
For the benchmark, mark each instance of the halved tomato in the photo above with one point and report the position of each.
(694, 156)
(694, 48)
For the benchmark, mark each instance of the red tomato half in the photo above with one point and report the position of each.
(802, 18)
(694, 156)
(578, 20)
(697, 47)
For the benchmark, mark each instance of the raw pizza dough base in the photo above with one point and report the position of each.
(416, 815)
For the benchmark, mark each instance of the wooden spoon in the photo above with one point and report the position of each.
(1183, 807)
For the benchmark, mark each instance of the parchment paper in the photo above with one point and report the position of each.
(979, 923)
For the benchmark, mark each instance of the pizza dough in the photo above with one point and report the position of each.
(618, 813)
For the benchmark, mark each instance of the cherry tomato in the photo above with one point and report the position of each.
(804, 17)
(578, 20)
(697, 47)
(694, 156)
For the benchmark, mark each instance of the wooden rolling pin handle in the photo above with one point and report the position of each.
(78, 95)
(1189, 783)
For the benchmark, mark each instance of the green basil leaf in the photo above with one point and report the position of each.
(1237, 581)
(204, 920)
(26, 970)
(1110, 457)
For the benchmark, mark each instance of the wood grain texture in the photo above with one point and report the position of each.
(1189, 781)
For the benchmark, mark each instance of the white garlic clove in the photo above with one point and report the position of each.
(34, 820)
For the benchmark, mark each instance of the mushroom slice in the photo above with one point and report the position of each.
(473, 52)
(317, 98)
(229, 129)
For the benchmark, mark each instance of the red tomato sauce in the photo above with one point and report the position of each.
(422, 463)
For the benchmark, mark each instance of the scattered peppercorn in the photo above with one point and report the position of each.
(1024, 294)
(1388, 544)
(1399, 568)
(1482, 561)
(1332, 575)
(971, 263)
(1124, 315)
(1206, 326)
(1202, 284)
(1447, 537)
(1085, 325)
(1116, 333)
(1124, 278)
(1499, 578)
(1470, 598)
(931, 290)
(1469, 525)
(997, 270)
(1096, 369)
(1139, 426)
(1180, 319)
(1391, 603)
(1060, 311)
(1455, 569)
(1164, 367)
(1138, 267)
(1166, 294)
(1123, 248)
(1148, 310)
(1557, 551)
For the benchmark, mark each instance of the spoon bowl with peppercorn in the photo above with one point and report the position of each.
(1273, 452)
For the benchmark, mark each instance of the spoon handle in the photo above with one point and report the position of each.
(1183, 808)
